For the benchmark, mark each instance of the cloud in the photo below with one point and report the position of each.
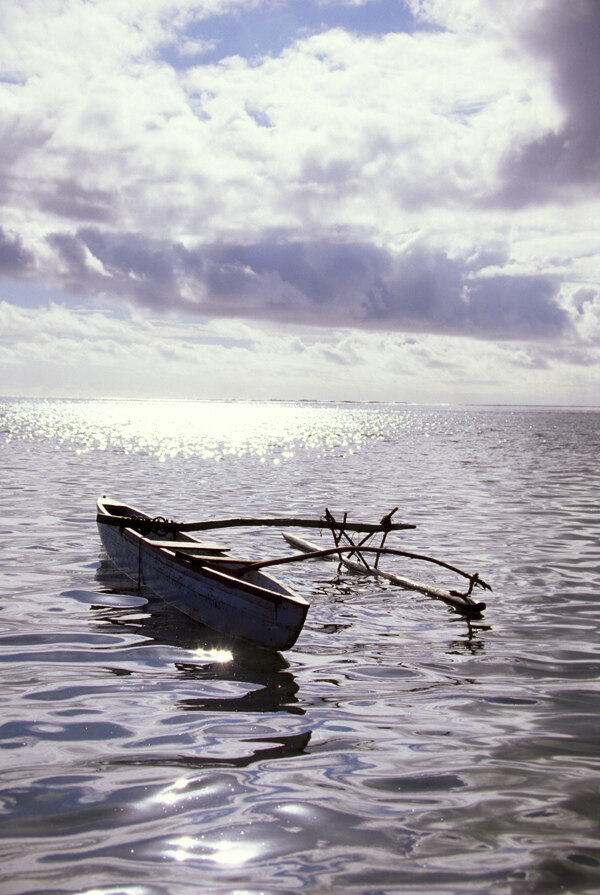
(43, 352)
(559, 154)
(567, 36)
(586, 306)
(67, 198)
(134, 267)
(351, 174)
(339, 129)
(419, 289)
(15, 260)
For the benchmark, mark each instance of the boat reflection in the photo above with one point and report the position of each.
(278, 691)
(209, 655)
(471, 640)
(279, 746)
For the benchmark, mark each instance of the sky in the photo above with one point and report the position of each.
(373, 200)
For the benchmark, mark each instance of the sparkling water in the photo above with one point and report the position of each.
(398, 747)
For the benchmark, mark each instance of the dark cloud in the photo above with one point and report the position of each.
(15, 260)
(545, 357)
(567, 33)
(321, 284)
(584, 296)
(70, 200)
(359, 285)
(146, 271)
(513, 306)
(19, 136)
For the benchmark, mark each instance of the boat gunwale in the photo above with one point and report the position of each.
(137, 540)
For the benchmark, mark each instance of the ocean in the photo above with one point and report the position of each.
(398, 747)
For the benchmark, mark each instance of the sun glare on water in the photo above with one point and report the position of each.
(210, 430)
(213, 655)
(226, 852)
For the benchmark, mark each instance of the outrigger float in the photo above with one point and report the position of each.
(234, 596)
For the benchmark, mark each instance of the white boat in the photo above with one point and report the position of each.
(200, 579)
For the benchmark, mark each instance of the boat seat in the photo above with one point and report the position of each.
(189, 545)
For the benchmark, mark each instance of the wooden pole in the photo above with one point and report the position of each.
(285, 522)
(339, 531)
(391, 551)
(209, 524)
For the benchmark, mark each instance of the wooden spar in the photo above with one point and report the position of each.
(339, 531)
(209, 524)
(389, 551)
(287, 523)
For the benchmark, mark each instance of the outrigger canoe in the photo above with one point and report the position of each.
(234, 596)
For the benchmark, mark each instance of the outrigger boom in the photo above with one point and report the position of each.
(462, 602)
(161, 523)
(345, 545)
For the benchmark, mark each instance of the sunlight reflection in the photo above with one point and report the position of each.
(212, 430)
(230, 853)
(173, 793)
(184, 848)
(213, 655)
(227, 852)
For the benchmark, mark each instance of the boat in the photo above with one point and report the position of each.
(234, 596)
(201, 580)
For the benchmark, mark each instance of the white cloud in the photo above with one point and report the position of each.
(438, 182)
(337, 131)
(44, 352)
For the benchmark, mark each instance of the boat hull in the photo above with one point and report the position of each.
(255, 608)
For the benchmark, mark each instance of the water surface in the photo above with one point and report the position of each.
(397, 748)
